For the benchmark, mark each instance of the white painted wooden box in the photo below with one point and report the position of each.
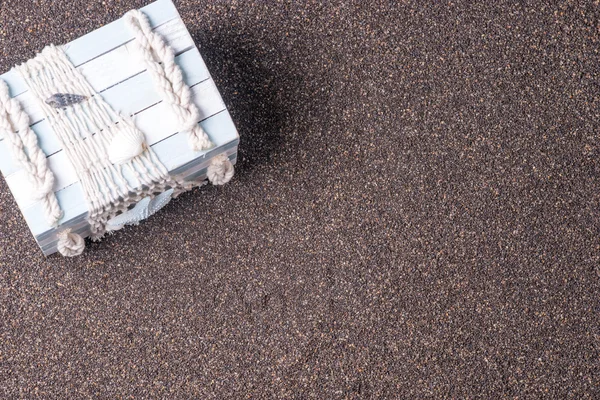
(104, 57)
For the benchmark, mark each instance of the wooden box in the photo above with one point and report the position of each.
(104, 57)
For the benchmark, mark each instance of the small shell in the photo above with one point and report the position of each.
(62, 100)
(125, 145)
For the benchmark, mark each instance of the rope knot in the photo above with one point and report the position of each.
(220, 170)
(70, 244)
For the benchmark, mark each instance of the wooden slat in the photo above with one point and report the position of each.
(119, 64)
(122, 63)
(102, 40)
(129, 98)
(173, 152)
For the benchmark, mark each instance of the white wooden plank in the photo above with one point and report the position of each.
(46, 140)
(156, 122)
(116, 33)
(102, 40)
(121, 63)
(129, 97)
(174, 152)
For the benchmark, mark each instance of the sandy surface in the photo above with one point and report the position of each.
(415, 214)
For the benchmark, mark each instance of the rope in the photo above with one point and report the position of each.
(70, 244)
(168, 78)
(220, 171)
(26, 152)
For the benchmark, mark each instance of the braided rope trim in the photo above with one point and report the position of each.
(168, 78)
(26, 152)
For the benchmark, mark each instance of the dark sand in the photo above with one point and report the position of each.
(416, 214)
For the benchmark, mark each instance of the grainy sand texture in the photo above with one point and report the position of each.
(416, 214)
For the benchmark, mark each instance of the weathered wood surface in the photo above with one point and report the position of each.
(106, 57)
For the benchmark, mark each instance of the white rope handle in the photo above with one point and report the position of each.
(27, 153)
(168, 78)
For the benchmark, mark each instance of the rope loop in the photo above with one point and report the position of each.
(70, 244)
(220, 170)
